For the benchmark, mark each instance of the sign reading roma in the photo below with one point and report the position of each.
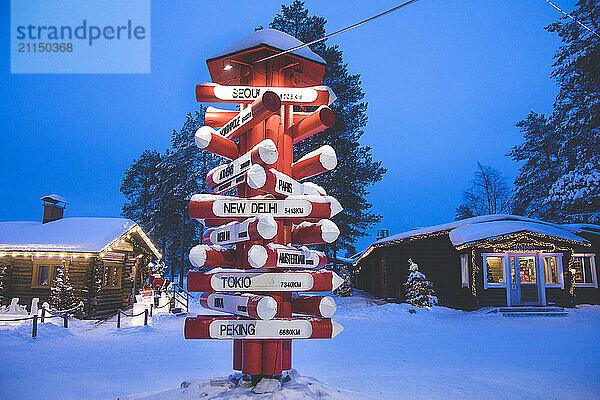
(254, 258)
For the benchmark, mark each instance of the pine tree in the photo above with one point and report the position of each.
(356, 169)
(560, 179)
(62, 296)
(157, 187)
(419, 291)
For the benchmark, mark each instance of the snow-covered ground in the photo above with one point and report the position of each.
(384, 352)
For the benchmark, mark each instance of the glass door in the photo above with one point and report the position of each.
(514, 285)
(527, 268)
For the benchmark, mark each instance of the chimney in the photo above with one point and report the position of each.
(54, 206)
(382, 233)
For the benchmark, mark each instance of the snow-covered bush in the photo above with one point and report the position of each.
(62, 296)
(419, 291)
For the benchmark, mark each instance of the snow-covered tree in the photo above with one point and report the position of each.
(62, 294)
(419, 291)
(356, 170)
(559, 178)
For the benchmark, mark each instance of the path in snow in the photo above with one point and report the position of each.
(384, 351)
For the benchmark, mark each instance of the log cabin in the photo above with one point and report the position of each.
(106, 259)
(492, 260)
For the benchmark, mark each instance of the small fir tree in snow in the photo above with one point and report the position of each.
(62, 296)
(419, 291)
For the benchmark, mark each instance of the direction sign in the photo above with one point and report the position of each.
(236, 281)
(217, 117)
(204, 206)
(211, 256)
(255, 228)
(324, 231)
(308, 96)
(264, 153)
(279, 256)
(314, 163)
(208, 139)
(210, 327)
(319, 306)
(246, 305)
(279, 184)
(262, 108)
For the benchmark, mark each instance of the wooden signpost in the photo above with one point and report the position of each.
(256, 240)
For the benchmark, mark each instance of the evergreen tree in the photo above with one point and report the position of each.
(560, 179)
(419, 291)
(356, 169)
(62, 296)
(158, 187)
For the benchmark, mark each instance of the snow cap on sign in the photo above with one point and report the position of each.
(272, 38)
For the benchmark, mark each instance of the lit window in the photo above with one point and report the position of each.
(527, 269)
(552, 270)
(43, 274)
(464, 269)
(112, 276)
(493, 270)
(584, 270)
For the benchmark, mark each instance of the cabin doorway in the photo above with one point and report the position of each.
(526, 280)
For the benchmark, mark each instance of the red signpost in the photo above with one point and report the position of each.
(274, 213)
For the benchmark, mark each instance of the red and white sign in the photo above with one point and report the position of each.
(208, 139)
(246, 305)
(263, 107)
(206, 206)
(255, 228)
(324, 231)
(279, 256)
(315, 122)
(236, 281)
(279, 184)
(217, 117)
(211, 256)
(264, 153)
(207, 327)
(318, 306)
(308, 96)
(314, 163)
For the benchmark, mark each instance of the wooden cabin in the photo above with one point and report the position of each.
(106, 258)
(493, 260)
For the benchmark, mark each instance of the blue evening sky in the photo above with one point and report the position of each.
(446, 81)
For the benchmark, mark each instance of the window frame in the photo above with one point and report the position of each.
(35, 273)
(108, 266)
(559, 270)
(492, 285)
(464, 270)
(592, 257)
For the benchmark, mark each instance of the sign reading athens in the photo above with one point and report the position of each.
(80, 36)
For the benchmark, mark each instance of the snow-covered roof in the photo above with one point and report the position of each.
(54, 198)
(486, 230)
(488, 226)
(273, 38)
(78, 234)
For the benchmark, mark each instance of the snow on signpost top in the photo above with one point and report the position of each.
(273, 38)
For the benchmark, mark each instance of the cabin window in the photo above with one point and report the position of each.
(493, 270)
(112, 276)
(43, 274)
(553, 270)
(527, 270)
(464, 269)
(584, 270)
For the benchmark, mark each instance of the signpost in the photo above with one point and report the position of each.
(254, 238)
